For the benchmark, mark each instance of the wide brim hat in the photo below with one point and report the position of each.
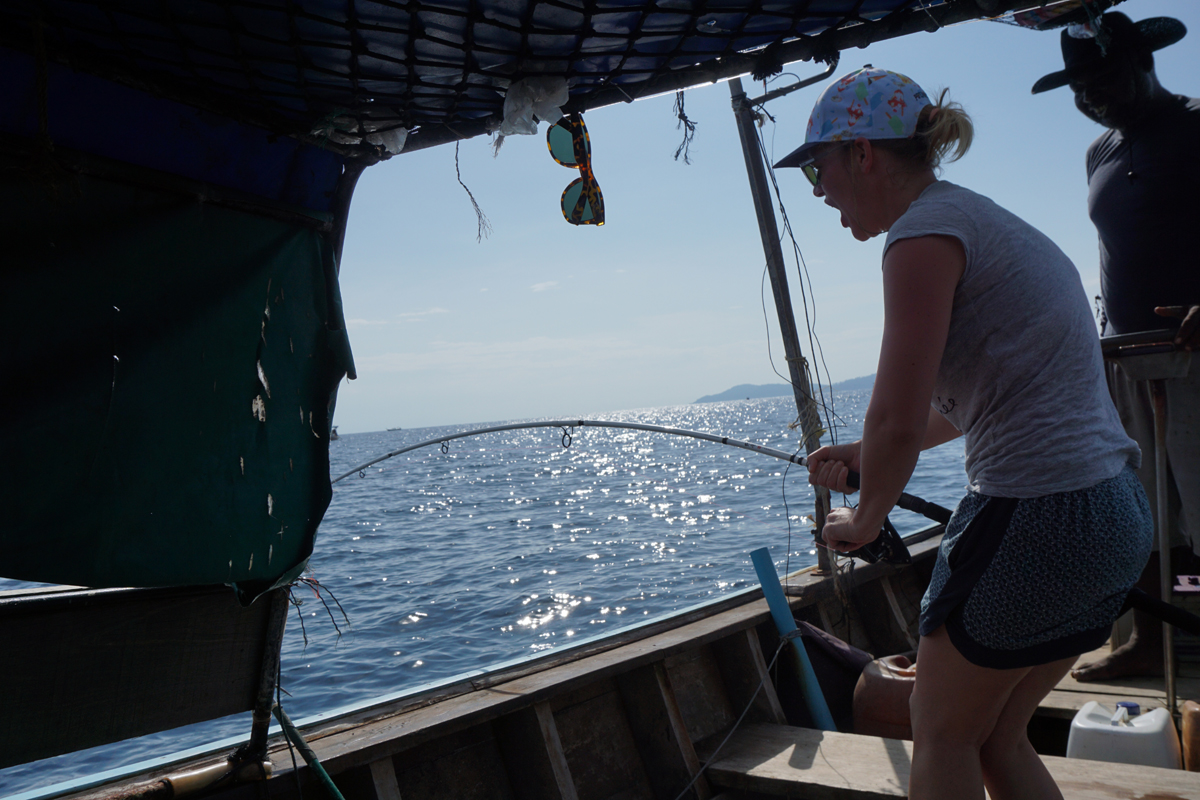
(1084, 49)
(872, 103)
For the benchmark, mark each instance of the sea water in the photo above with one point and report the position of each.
(433, 564)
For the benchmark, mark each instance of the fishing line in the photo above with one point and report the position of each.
(806, 295)
(820, 399)
(805, 281)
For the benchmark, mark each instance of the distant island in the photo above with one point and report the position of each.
(750, 391)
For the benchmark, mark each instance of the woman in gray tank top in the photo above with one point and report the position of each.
(987, 335)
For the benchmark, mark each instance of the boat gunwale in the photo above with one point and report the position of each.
(398, 724)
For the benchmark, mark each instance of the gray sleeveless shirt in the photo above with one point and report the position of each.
(1022, 376)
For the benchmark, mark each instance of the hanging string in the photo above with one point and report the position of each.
(688, 127)
(485, 227)
(809, 306)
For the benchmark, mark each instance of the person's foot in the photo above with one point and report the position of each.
(1127, 661)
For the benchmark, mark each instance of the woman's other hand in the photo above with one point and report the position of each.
(842, 534)
(831, 465)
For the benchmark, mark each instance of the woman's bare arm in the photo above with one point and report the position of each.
(919, 279)
(938, 430)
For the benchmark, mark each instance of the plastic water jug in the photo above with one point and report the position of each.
(1124, 736)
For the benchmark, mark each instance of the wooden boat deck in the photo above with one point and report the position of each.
(777, 760)
(1070, 695)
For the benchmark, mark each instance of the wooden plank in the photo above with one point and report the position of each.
(526, 756)
(466, 765)
(811, 588)
(903, 622)
(599, 744)
(823, 765)
(1064, 705)
(768, 693)
(744, 670)
(658, 731)
(1145, 687)
(700, 692)
(383, 775)
(680, 734)
(554, 750)
(88, 667)
(801, 762)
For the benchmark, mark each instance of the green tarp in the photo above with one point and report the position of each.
(169, 371)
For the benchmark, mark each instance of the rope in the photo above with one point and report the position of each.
(485, 226)
(689, 130)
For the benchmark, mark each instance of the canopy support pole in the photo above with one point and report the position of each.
(256, 748)
(810, 420)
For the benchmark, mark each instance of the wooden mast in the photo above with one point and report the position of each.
(798, 372)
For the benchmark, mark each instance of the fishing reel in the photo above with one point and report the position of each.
(887, 547)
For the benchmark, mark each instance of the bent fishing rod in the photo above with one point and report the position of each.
(887, 547)
(907, 501)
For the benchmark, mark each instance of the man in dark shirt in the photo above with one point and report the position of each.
(1144, 198)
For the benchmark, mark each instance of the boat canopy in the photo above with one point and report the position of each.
(174, 182)
(336, 71)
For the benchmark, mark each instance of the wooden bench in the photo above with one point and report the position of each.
(800, 762)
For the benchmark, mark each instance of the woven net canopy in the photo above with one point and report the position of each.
(335, 71)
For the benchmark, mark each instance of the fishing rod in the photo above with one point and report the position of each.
(888, 547)
(907, 501)
(565, 425)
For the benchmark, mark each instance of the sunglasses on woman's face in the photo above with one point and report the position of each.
(812, 171)
(582, 203)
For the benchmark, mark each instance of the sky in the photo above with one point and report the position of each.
(665, 302)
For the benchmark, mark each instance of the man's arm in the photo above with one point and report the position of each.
(1188, 335)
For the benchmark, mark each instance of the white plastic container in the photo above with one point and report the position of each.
(1124, 736)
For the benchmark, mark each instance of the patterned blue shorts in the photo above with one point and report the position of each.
(1022, 582)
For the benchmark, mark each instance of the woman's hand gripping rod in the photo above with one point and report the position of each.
(889, 547)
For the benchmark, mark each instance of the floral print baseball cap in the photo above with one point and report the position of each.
(872, 103)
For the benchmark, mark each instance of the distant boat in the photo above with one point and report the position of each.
(333, 433)
(395, 429)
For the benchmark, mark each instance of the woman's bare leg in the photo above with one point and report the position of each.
(1012, 769)
(956, 706)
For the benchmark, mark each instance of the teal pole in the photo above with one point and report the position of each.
(782, 614)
